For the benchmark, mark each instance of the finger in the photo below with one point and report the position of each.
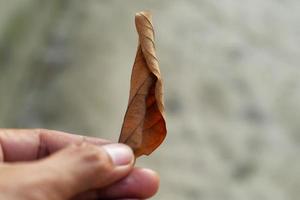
(139, 184)
(31, 144)
(79, 168)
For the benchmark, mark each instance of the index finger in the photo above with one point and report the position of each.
(32, 144)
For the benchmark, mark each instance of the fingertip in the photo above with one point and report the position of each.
(149, 185)
(120, 154)
(140, 183)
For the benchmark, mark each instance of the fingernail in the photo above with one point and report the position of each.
(119, 153)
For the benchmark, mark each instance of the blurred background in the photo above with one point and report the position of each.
(232, 87)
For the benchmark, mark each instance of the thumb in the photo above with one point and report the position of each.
(79, 168)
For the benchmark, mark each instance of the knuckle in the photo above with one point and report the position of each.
(40, 130)
(93, 155)
(104, 165)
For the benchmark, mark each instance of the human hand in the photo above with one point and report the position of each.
(51, 165)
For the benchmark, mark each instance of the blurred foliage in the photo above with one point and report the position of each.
(30, 39)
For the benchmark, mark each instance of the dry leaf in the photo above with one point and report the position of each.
(144, 126)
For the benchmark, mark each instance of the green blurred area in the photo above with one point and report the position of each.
(232, 88)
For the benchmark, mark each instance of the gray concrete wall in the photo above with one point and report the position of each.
(231, 71)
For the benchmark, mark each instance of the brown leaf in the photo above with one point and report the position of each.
(144, 126)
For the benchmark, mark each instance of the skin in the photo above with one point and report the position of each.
(51, 165)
